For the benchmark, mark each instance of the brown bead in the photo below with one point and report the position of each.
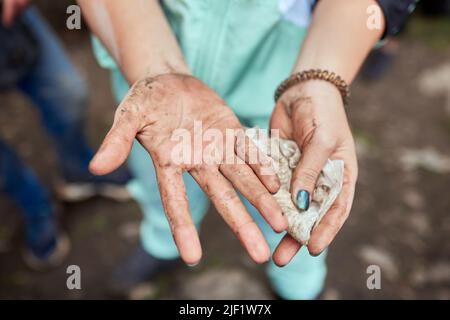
(315, 74)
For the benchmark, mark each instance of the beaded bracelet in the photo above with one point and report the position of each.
(315, 74)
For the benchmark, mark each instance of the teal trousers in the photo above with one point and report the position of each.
(242, 49)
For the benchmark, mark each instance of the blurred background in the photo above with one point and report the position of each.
(400, 115)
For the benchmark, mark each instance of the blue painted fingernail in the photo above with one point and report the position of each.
(303, 200)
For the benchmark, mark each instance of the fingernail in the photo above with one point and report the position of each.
(303, 200)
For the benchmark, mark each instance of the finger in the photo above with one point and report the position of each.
(176, 206)
(233, 211)
(244, 179)
(117, 144)
(260, 163)
(286, 250)
(313, 159)
(8, 12)
(324, 233)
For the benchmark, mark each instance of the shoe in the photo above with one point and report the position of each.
(85, 186)
(138, 268)
(78, 191)
(52, 257)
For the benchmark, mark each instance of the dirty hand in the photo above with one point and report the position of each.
(11, 9)
(152, 112)
(312, 114)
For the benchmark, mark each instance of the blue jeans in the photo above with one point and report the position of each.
(58, 91)
(56, 88)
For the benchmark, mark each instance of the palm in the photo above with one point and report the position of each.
(154, 112)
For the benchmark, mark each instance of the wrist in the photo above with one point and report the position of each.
(319, 78)
(311, 90)
(157, 69)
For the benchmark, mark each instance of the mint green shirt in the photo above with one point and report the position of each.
(241, 48)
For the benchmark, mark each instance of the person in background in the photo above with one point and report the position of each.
(219, 62)
(381, 59)
(33, 61)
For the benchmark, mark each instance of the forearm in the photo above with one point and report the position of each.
(137, 35)
(338, 39)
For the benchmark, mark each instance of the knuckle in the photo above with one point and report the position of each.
(127, 113)
(177, 222)
(236, 170)
(340, 215)
(261, 198)
(324, 141)
(178, 199)
(222, 197)
(229, 195)
(307, 133)
(162, 160)
(241, 225)
(338, 207)
(308, 176)
(122, 139)
(335, 223)
(270, 181)
(209, 170)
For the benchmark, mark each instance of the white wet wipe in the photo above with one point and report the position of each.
(286, 155)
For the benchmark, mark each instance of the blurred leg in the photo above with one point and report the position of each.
(57, 89)
(22, 185)
(304, 277)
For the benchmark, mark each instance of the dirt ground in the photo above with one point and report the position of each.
(400, 220)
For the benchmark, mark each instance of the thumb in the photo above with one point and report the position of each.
(313, 159)
(117, 144)
(281, 121)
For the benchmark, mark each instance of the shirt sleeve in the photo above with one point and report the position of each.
(104, 59)
(396, 13)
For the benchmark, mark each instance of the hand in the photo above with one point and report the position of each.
(312, 114)
(11, 9)
(152, 112)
